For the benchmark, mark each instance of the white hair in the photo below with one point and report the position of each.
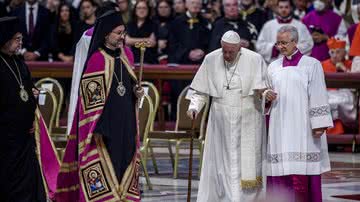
(291, 30)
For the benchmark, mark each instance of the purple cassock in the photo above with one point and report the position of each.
(294, 188)
(321, 21)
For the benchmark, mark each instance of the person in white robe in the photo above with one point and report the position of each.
(297, 151)
(265, 44)
(234, 147)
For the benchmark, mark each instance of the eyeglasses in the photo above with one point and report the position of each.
(18, 38)
(122, 34)
(283, 43)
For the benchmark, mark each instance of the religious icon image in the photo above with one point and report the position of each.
(94, 92)
(95, 182)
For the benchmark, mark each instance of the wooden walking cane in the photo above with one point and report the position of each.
(191, 158)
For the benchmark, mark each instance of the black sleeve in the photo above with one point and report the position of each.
(177, 51)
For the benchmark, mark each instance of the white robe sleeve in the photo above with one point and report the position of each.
(265, 44)
(81, 51)
(197, 101)
(306, 42)
(319, 108)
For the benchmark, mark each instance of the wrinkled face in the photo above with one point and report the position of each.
(142, 11)
(284, 8)
(87, 9)
(14, 44)
(116, 37)
(337, 55)
(193, 6)
(164, 9)
(230, 51)
(65, 13)
(179, 6)
(123, 5)
(285, 44)
(231, 8)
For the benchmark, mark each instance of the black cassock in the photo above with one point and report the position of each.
(245, 30)
(20, 176)
(144, 31)
(256, 17)
(117, 123)
(183, 39)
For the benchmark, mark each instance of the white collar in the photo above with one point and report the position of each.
(35, 6)
(189, 15)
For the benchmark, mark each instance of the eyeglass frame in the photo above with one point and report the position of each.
(283, 43)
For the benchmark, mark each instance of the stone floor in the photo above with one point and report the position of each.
(343, 179)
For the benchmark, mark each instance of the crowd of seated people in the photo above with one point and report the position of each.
(184, 31)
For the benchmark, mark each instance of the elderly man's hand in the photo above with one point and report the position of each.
(196, 54)
(139, 91)
(270, 95)
(318, 132)
(35, 92)
(30, 56)
(192, 114)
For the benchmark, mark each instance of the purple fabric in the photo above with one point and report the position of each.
(89, 32)
(294, 188)
(351, 32)
(275, 52)
(320, 51)
(48, 159)
(70, 183)
(284, 21)
(293, 61)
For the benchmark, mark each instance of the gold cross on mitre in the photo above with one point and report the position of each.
(142, 45)
(192, 21)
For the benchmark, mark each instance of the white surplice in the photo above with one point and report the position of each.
(81, 52)
(267, 38)
(221, 172)
(301, 105)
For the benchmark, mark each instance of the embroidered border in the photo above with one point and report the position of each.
(93, 90)
(134, 186)
(320, 111)
(294, 156)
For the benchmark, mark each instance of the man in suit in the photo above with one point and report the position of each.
(34, 25)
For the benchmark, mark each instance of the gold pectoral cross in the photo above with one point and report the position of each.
(192, 21)
(142, 46)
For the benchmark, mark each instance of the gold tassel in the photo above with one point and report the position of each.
(250, 184)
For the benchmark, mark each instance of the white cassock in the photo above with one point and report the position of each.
(267, 38)
(301, 105)
(82, 48)
(235, 140)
